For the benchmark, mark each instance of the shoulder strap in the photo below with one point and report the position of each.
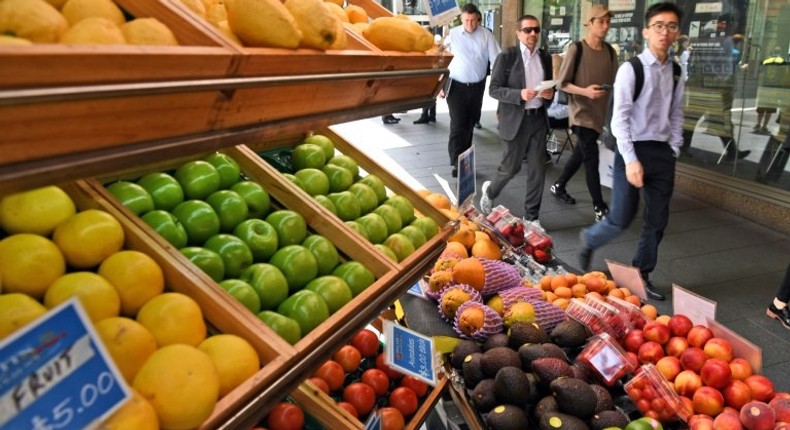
(639, 75)
(677, 75)
(612, 52)
(576, 60)
(545, 60)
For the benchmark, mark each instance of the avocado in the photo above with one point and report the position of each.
(532, 351)
(606, 419)
(461, 350)
(535, 392)
(497, 358)
(512, 386)
(472, 369)
(483, 395)
(553, 350)
(548, 369)
(569, 334)
(574, 396)
(495, 340)
(523, 332)
(603, 398)
(579, 371)
(560, 421)
(546, 404)
(507, 417)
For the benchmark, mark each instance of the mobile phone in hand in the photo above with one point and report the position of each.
(604, 87)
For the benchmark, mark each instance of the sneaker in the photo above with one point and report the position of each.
(600, 211)
(485, 201)
(783, 315)
(558, 191)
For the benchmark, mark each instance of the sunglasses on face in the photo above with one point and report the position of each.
(527, 30)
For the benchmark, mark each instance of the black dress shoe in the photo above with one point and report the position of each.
(389, 119)
(652, 293)
(783, 315)
(432, 119)
(478, 125)
(454, 173)
(423, 120)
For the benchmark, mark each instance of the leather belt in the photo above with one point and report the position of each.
(534, 111)
(471, 84)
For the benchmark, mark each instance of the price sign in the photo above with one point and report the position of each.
(629, 277)
(410, 352)
(417, 289)
(697, 308)
(57, 375)
(441, 12)
(466, 179)
(740, 346)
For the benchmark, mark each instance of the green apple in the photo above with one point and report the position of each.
(298, 182)
(290, 226)
(298, 265)
(286, 328)
(307, 308)
(260, 236)
(258, 202)
(198, 179)
(199, 220)
(366, 196)
(375, 226)
(133, 196)
(314, 181)
(243, 292)
(167, 226)
(228, 169)
(359, 228)
(384, 249)
(415, 235)
(207, 260)
(340, 178)
(230, 207)
(404, 207)
(391, 217)
(324, 252)
(347, 205)
(324, 142)
(376, 183)
(326, 202)
(164, 190)
(357, 276)
(400, 245)
(428, 225)
(234, 252)
(308, 155)
(269, 282)
(333, 289)
(347, 162)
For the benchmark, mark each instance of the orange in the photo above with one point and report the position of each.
(470, 271)
(572, 278)
(173, 318)
(561, 303)
(486, 249)
(595, 284)
(465, 236)
(135, 276)
(456, 248)
(439, 201)
(479, 235)
(545, 282)
(558, 281)
(634, 299)
(649, 311)
(626, 291)
(610, 285)
(617, 293)
(550, 296)
(563, 292)
(452, 214)
(128, 342)
(424, 192)
(579, 290)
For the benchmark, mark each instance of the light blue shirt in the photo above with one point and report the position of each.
(556, 110)
(533, 71)
(656, 114)
(471, 54)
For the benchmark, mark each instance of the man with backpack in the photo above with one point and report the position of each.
(648, 128)
(586, 76)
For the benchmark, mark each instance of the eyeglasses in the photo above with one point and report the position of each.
(527, 30)
(660, 27)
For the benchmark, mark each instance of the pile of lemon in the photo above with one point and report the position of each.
(77, 22)
(158, 340)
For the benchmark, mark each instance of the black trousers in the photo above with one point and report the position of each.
(464, 102)
(585, 151)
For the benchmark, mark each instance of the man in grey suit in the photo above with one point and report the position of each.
(523, 122)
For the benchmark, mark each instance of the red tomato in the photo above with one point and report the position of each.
(420, 388)
(320, 384)
(366, 342)
(405, 400)
(285, 416)
(348, 357)
(331, 372)
(350, 408)
(393, 375)
(377, 379)
(361, 396)
(391, 419)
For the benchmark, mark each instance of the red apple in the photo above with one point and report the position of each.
(727, 422)
(693, 358)
(701, 422)
(781, 426)
(731, 410)
(669, 366)
(699, 335)
(676, 345)
(687, 382)
(686, 407)
(762, 387)
(634, 360)
(737, 394)
(741, 369)
(679, 325)
(782, 409)
(633, 340)
(656, 332)
(782, 395)
(708, 400)
(758, 416)
(716, 373)
(650, 352)
(717, 347)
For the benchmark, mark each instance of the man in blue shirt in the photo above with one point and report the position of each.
(649, 136)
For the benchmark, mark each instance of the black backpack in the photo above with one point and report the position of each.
(607, 138)
(562, 98)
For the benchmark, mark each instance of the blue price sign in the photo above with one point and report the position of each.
(416, 289)
(466, 179)
(441, 12)
(410, 352)
(55, 374)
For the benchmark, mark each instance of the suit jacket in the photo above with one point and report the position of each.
(507, 81)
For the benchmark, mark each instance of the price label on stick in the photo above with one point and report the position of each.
(699, 309)
(56, 374)
(417, 289)
(629, 277)
(466, 179)
(410, 352)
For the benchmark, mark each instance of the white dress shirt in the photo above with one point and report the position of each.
(533, 71)
(471, 54)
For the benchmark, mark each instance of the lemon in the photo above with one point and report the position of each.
(128, 342)
(136, 277)
(182, 385)
(30, 264)
(96, 294)
(15, 41)
(136, 414)
(93, 31)
(148, 31)
(36, 211)
(77, 10)
(196, 6)
(235, 360)
(34, 20)
(173, 318)
(16, 310)
(89, 237)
